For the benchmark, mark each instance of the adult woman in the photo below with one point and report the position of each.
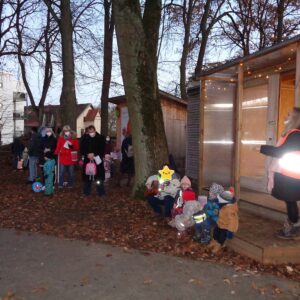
(92, 148)
(66, 149)
(48, 143)
(286, 170)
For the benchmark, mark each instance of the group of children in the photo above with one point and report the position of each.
(215, 218)
(49, 172)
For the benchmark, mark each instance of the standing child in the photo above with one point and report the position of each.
(48, 169)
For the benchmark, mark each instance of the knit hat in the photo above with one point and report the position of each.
(185, 180)
(226, 197)
(49, 155)
(215, 190)
(188, 195)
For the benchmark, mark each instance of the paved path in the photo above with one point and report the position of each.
(43, 267)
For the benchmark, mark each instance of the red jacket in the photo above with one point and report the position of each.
(64, 153)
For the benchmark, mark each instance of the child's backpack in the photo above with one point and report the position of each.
(91, 169)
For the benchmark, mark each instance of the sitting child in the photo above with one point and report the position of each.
(228, 220)
(211, 210)
(48, 169)
(185, 188)
(185, 206)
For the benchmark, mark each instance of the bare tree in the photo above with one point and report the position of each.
(212, 13)
(107, 63)
(48, 37)
(61, 12)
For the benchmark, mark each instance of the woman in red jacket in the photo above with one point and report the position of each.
(67, 151)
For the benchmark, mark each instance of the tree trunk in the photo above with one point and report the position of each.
(107, 64)
(280, 16)
(187, 20)
(204, 37)
(137, 39)
(68, 95)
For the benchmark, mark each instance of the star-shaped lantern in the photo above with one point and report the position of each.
(166, 173)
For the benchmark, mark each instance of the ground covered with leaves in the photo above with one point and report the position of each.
(115, 219)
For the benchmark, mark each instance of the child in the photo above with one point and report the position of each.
(185, 206)
(185, 188)
(228, 220)
(211, 210)
(107, 167)
(48, 169)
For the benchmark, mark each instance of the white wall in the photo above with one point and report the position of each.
(8, 86)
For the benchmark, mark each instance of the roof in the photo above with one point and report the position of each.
(31, 119)
(91, 115)
(244, 59)
(122, 98)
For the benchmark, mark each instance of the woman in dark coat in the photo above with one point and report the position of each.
(48, 143)
(285, 185)
(92, 148)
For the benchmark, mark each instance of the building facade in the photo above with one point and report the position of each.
(12, 103)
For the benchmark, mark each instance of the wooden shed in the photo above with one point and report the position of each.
(174, 113)
(232, 110)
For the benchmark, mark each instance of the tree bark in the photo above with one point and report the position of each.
(137, 39)
(107, 64)
(187, 20)
(280, 16)
(68, 95)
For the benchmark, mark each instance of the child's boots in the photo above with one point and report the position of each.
(215, 247)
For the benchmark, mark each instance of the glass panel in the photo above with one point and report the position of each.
(287, 98)
(254, 127)
(218, 132)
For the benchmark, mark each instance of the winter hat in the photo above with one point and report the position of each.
(49, 155)
(226, 197)
(215, 189)
(185, 180)
(188, 195)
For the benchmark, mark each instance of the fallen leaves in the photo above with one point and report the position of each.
(115, 218)
(8, 296)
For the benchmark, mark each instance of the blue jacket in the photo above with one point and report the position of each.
(211, 209)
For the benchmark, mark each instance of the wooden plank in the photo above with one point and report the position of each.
(238, 130)
(201, 135)
(297, 79)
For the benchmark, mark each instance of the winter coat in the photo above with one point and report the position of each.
(65, 157)
(127, 163)
(94, 145)
(169, 189)
(228, 217)
(47, 142)
(285, 188)
(185, 220)
(17, 147)
(211, 209)
(34, 146)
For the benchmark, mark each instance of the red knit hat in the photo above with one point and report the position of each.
(188, 195)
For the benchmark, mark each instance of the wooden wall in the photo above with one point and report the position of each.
(175, 117)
